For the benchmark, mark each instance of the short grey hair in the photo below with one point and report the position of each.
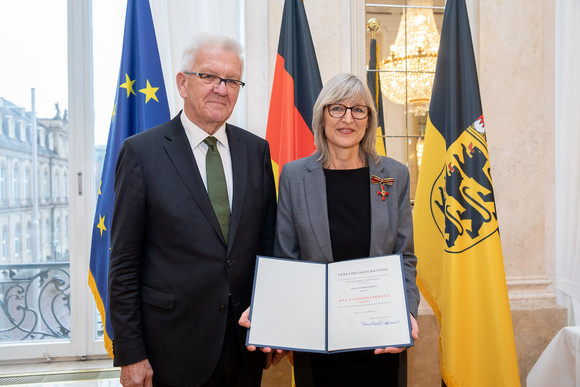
(340, 88)
(212, 40)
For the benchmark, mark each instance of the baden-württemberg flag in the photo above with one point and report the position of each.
(296, 86)
(460, 270)
(140, 103)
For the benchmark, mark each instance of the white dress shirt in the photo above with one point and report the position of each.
(196, 135)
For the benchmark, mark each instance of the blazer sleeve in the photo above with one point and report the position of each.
(127, 235)
(286, 242)
(405, 244)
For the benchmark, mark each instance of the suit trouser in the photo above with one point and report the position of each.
(231, 370)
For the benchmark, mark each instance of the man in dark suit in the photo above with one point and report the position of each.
(180, 278)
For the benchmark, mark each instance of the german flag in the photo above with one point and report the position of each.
(296, 86)
(460, 269)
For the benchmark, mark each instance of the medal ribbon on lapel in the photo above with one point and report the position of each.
(382, 182)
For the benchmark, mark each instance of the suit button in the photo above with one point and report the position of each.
(222, 308)
(229, 264)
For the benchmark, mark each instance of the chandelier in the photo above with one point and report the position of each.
(408, 71)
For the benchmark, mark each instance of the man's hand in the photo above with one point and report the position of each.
(137, 374)
(273, 357)
(414, 333)
(245, 319)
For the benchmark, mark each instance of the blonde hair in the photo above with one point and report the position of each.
(340, 88)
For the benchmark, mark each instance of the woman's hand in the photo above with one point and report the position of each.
(414, 333)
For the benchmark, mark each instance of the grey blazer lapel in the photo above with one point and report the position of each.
(315, 194)
(179, 151)
(239, 155)
(379, 210)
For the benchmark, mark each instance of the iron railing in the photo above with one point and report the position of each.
(35, 302)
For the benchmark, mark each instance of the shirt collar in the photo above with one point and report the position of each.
(196, 135)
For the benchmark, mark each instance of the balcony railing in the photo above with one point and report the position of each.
(35, 302)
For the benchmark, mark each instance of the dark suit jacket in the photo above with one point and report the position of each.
(171, 273)
(303, 232)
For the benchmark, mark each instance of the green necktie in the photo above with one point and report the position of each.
(216, 185)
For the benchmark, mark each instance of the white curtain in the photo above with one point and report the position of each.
(567, 190)
(177, 21)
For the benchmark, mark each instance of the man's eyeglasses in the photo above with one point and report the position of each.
(338, 110)
(210, 79)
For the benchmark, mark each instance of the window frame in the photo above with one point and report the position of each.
(82, 343)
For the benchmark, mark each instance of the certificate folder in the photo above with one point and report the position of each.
(318, 307)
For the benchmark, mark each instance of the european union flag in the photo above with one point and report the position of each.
(140, 103)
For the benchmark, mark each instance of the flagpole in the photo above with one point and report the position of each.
(373, 26)
(373, 82)
(34, 168)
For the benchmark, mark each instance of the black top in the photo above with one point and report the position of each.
(349, 212)
(349, 217)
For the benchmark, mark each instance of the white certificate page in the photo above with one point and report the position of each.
(367, 305)
(289, 305)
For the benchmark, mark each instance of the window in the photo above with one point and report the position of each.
(17, 240)
(50, 141)
(47, 239)
(16, 182)
(37, 151)
(22, 130)
(4, 244)
(56, 187)
(41, 137)
(27, 183)
(45, 187)
(11, 127)
(65, 186)
(56, 241)
(62, 252)
(28, 245)
(2, 184)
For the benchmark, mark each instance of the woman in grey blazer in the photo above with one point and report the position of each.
(345, 202)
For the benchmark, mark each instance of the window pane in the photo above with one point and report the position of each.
(34, 254)
(407, 42)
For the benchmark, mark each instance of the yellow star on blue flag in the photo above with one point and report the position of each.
(140, 68)
(101, 226)
(128, 85)
(149, 92)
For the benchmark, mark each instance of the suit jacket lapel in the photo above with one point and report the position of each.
(239, 155)
(379, 211)
(315, 194)
(179, 151)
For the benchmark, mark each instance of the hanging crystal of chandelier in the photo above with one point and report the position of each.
(407, 73)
